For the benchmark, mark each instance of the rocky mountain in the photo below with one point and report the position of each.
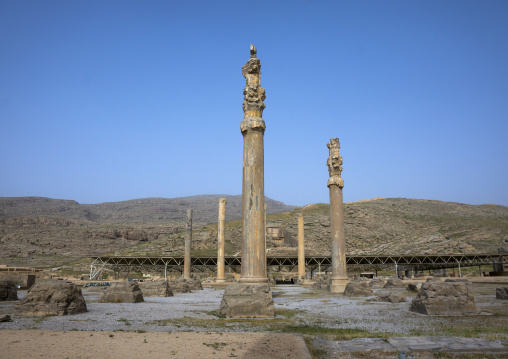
(205, 209)
(43, 231)
(375, 227)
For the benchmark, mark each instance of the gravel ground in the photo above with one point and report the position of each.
(195, 312)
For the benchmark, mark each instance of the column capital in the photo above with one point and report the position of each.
(334, 164)
(252, 123)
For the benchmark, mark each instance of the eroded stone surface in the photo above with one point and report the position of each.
(156, 289)
(451, 297)
(182, 285)
(394, 283)
(392, 297)
(502, 293)
(358, 289)
(53, 298)
(8, 290)
(126, 292)
(247, 301)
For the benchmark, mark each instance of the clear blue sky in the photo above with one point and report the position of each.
(113, 100)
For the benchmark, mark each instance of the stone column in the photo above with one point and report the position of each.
(221, 277)
(253, 191)
(335, 184)
(252, 296)
(301, 249)
(188, 239)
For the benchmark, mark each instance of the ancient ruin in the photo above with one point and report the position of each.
(53, 298)
(221, 275)
(502, 293)
(358, 289)
(8, 290)
(123, 292)
(188, 239)
(451, 297)
(156, 289)
(256, 299)
(338, 279)
(301, 249)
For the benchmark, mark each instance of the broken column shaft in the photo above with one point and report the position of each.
(301, 249)
(253, 192)
(188, 239)
(338, 238)
(221, 276)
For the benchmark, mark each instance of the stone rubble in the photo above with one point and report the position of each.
(53, 299)
(126, 292)
(451, 297)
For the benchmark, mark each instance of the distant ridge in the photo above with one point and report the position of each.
(205, 208)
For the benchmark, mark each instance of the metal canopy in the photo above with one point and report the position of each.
(419, 262)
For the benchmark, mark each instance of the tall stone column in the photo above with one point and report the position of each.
(335, 184)
(301, 249)
(221, 276)
(253, 189)
(188, 239)
(252, 296)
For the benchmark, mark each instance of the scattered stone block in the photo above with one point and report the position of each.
(5, 318)
(53, 298)
(182, 285)
(8, 290)
(247, 301)
(156, 289)
(502, 293)
(413, 287)
(321, 283)
(379, 283)
(358, 289)
(394, 283)
(126, 292)
(390, 297)
(451, 297)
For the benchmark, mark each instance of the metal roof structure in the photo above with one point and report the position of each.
(403, 262)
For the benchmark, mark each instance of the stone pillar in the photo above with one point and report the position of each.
(335, 184)
(252, 296)
(301, 249)
(221, 277)
(188, 239)
(253, 189)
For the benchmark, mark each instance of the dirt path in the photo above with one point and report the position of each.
(21, 344)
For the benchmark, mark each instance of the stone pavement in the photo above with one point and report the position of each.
(410, 345)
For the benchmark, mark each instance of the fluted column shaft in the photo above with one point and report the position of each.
(188, 239)
(301, 249)
(338, 238)
(221, 275)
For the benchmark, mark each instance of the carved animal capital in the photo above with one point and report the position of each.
(334, 163)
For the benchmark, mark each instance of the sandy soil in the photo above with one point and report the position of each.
(21, 344)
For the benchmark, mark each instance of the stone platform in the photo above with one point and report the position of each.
(377, 347)
(247, 301)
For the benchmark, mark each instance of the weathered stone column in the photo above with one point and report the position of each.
(252, 297)
(253, 189)
(335, 184)
(221, 276)
(301, 249)
(188, 239)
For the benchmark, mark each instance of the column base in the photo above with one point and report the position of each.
(253, 280)
(247, 301)
(338, 285)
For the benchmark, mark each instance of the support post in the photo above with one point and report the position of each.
(301, 249)
(188, 239)
(252, 297)
(221, 276)
(335, 184)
